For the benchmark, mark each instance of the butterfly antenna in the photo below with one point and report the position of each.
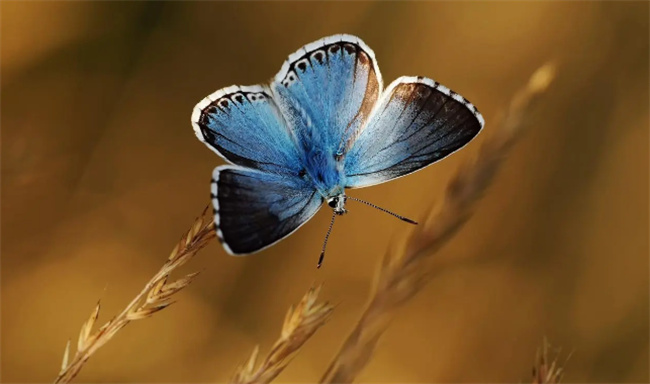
(384, 210)
(322, 254)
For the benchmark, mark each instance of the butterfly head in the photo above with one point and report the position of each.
(337, 203)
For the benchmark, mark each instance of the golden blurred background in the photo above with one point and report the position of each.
(102, 173)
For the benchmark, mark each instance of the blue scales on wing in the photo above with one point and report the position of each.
(326, 91)
(254, 209)
(265, 195)
(417, 121)
(245, 126)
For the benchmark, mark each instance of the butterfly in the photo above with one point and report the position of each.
(324, 124)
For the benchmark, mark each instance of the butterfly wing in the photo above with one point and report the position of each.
(326, 91)
(245, 126)
(416, 122)
(255, 209)
(262, 198)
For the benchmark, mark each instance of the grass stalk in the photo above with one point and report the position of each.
(406, 268)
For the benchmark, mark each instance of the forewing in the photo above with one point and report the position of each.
(254, 209)
(245, 126)
(326, 91)
(417, 121)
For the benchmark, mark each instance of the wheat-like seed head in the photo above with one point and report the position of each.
(543, 373)
(300, 323)
(153, 298)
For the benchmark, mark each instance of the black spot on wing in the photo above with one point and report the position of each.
(318, 55)
(350, 48)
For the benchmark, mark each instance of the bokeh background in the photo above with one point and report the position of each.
(101, 174)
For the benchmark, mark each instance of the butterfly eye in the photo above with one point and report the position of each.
(333, 202)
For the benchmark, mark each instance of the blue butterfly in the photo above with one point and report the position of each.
(324, 124)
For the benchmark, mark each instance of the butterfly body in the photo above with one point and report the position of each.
(324, 124)
(325, 172)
